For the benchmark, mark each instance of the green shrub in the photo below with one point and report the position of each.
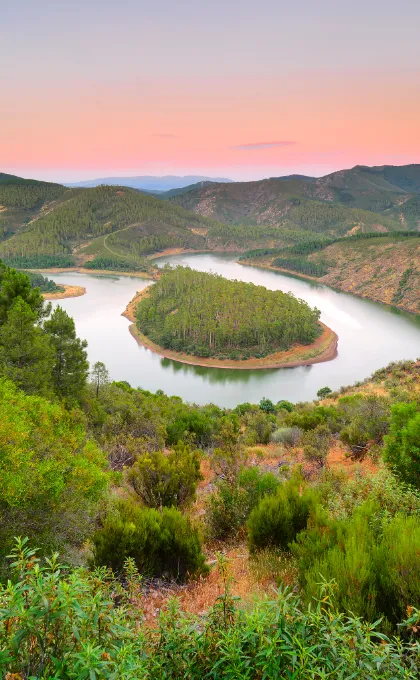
(402, 445)
(166, 480)
(286, 405)
(259, 426)
(366, 420)
(226, 511)
(341, 496)
(229, 508)
(51, 475)
(308, 417)
(288, 436)
(161, 543)
(267, 405)
(397, 567)
(316, 444)
(372, 560)
(278, 519)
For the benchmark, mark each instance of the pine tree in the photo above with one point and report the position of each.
(26, 355)
(100, 375)
(71, 367)
(15, 284)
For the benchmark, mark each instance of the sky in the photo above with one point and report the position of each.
(240, 89)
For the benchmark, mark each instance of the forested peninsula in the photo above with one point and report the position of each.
(202, 318)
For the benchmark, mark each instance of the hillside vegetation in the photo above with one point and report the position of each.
(207, 315)
(140, 492)
(367, 199)
(92, 213)
(23, 199)
(45, 225)
(383, 268)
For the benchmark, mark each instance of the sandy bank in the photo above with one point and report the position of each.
(68, 292)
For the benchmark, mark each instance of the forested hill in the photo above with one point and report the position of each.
(42, 219)
(145, 224)
(16, 192)
(367, 199)
(23, 199)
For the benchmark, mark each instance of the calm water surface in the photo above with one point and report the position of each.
(370, 336)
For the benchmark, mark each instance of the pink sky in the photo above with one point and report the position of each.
(241, 94)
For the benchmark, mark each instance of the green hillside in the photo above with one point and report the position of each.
(40, 220)
(91, 214)
(371, 199)
(385, 268)
(16, 192)
(21, 200)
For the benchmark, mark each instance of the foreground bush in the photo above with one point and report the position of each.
(277, 520)
(402, 445)
(78, 625)
(229, 508)
(160, 543)
(288, 436)
(166, 480)
(372, 559)
(51, 475)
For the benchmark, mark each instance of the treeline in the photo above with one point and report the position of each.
(299, 264)
(244, 234)
(89, 213)
(292, 256)
(298, 243)
(147, 239)
(44, 284)
(207, 315)
(39, 261)
(118, 264)
(319, 216)
(16, 192)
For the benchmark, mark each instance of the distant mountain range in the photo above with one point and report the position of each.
(149, 182)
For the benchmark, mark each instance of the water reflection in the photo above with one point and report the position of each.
(370, 336)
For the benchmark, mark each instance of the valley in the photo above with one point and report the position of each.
(111, 228)
(360, 325)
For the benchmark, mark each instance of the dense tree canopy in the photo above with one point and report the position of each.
(40, 356)
(15, 284)
(16, 192)
(44, 284)
(90, 213)
(26, 355)
(70, 367)
(50, 473)
(199, 313)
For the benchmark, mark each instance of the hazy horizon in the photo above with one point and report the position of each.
(75, 176)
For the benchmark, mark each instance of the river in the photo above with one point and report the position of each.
(370, 336)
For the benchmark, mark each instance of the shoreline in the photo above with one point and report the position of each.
(292, 358)
(68, 292)
(307, 277)
(84, 270)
